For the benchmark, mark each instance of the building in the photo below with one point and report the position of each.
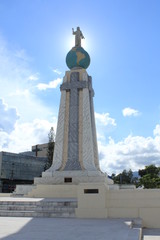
(40, 150)
(21, 168)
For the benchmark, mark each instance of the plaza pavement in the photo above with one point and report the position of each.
(14, 228)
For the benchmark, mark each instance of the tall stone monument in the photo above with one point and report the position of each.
(74, 178)
(75, 154)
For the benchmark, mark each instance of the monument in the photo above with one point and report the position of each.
(75, 173)
(76, 154)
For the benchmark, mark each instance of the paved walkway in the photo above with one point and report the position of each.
(13, 228)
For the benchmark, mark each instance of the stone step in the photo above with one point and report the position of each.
(37, 205)
(36, 208)
(44, 208)
(37, 214)
(40, 203)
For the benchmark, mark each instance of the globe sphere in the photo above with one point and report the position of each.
(77, 57)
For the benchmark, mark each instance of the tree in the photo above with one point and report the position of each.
(149, 177)
(151, 169)
(50, 150)
(123, 178)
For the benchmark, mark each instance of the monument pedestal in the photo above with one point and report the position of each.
(65, 190)
(74, 177)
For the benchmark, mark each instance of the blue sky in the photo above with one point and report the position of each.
(122, 38)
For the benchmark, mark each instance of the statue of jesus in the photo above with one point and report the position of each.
(78, 36)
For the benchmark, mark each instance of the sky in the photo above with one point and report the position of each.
(123, 41)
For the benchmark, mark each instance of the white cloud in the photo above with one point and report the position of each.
(25, 135)
(18, 136)
(4, 138)
(57, 71)
(104, 124)
(127, 112)
(8, 117)
(104, 119)
(134, 152)
(156, 131)
(52, 84)
(33, 77)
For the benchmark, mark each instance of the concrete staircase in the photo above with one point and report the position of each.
(38, 208)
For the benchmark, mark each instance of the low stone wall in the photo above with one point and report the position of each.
(98, 201)
(136, 203)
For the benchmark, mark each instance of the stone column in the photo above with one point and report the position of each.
(76, 153)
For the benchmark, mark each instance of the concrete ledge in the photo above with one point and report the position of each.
(5, 195)
(54, 191)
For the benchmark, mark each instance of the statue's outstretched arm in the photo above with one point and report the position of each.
(73, 32)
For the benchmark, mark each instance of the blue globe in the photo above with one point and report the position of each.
(77, 57)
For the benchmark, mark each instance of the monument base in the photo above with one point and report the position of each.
(67, 190)
(63, 184)
(72, 177)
